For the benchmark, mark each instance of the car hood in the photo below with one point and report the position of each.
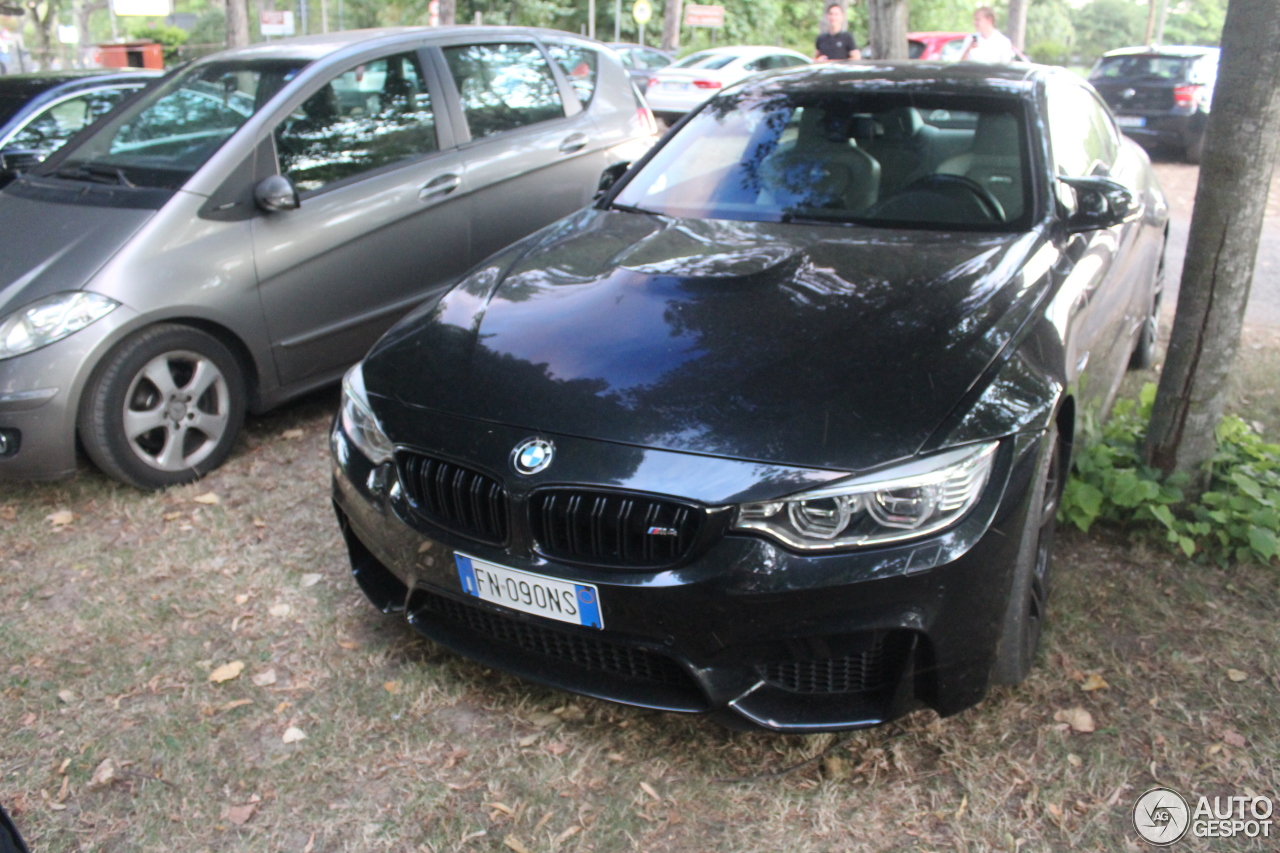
(46, 247)
(817, 346)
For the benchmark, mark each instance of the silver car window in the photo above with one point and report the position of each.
(58, 122)
(580, 65)
(503, 86)
(371, 115)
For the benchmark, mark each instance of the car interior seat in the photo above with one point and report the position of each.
(994, 161)
(824, 167)
(900, 142)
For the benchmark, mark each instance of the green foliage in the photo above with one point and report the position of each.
(210, 28)
(170, 37)
(1048, 53)
(1238, 518)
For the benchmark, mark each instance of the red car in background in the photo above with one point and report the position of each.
(944, 46)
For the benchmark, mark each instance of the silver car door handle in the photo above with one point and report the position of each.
(574, 142)
(441, 186)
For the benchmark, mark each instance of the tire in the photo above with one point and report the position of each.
(163, 408)
(1025, 614)
(1144, 352)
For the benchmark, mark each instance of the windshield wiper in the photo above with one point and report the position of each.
(631, 208)
(819, 218)
(96, 173)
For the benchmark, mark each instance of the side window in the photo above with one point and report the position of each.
(503, 86)
(580, 65)
(790, 62)
(372, 115)
(60, 121)
(757, 64)
(653, 59)
(1080, 131)
(952, 50)
(628, 58)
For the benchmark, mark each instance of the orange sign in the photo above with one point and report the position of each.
(703, 16)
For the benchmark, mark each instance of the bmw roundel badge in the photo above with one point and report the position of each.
(532, 455)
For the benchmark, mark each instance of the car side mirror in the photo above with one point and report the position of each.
(1100, 203)
(610, 176)
(276, 193)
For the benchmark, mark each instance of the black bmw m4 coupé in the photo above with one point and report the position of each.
(776, 429)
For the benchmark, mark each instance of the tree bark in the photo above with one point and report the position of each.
(1150, 32)
(1016, 26)
(448, 13)
(887, 26)
(672, 14)
(237, 23)
(44, 30)
(1226, 225)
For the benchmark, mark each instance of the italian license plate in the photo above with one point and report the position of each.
(564, 601)
(675, 87)
(1131, 121)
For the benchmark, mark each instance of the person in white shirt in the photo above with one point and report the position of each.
(988, 44)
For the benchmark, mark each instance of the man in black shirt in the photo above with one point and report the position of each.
(836, 43)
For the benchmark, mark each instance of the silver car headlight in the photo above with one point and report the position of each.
(358, 421)
(907, 501)
(51, 319)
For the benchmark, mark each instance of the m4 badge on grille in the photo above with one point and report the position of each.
(663, 531)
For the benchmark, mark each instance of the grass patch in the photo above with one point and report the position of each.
(111, 624)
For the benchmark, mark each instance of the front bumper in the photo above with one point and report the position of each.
(758, 636)
(40, 394)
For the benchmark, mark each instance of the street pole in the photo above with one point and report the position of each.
(1160, 16)
(617, 21)
(591, 19)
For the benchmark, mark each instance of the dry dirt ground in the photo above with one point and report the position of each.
(195, 671)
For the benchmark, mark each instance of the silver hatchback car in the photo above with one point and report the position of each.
(243, 232)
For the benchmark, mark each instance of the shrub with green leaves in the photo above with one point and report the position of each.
(1236, 518)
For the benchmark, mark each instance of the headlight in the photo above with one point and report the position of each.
(51, 319)
(904, 502)
(358, 421)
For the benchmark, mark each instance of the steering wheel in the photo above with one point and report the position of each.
(940, 181)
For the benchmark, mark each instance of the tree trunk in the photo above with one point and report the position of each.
(44, 30)
(887, 26)
(237, 23)
(448, 13)
(1016, 27)
(671, 16)
(1226, 224)
(1150, 32)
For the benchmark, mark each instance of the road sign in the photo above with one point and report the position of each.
(642, 11)
(275, 23)
(703, 16)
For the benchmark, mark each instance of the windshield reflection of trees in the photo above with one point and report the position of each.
(503, 86)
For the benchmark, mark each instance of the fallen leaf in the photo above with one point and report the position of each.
(616, 756)
(555, 747)
(964, 803)
(258, 522)
(67, 696)
(349, 644)
(242, 598)
(265, 678)
(239, 815)
(835, 768)
(173, 516)
(1233, 737)
(392, 687)
(236, 703)
(1237, 675)
(61, 517)
(1074, 760)
(280, 708)
(570, 712)
(544, 720)
(568, 833)
(292, 434)
(103, 775)
(311, 844)
(1213, 749)
(1054, 810)
(8, 513)
(208, 498)
(280, 610)
(293, 734)
(502, 807)
(1094, 682)
(514, 843)
(227, 671)
(1078, 719)
(528, 740)
(311, 579)
(648, 789)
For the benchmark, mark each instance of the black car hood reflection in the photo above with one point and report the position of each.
(805, 345)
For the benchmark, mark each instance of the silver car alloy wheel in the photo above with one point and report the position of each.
(176, 411)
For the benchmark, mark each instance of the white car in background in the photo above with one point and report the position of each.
(685, 84)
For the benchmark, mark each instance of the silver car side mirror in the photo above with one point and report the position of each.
(276, 193)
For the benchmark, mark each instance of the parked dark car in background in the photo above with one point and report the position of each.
(1160, 95)
(777, 429)
(244, 231)
(641, 62)
(39, 112)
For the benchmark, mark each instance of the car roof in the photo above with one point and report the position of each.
(1189, 50)
(961, 77)
(319, 46)
(743, 50)
(33, 84)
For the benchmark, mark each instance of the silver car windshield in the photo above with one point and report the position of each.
(163, 138)
(882, 159)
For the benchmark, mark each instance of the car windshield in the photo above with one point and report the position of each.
(1141, 68)
(166, 136)
(705, 59)
(891, 160)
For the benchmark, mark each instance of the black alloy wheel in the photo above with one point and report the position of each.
(1029, 598)
(1144, 352)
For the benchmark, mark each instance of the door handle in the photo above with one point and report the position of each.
(439, 186)
(574, 142)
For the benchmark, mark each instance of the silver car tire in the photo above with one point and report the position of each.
(1026, 611)
(164, 407)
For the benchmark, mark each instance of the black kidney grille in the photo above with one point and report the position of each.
(868, 671)
(582, 651)
(609, 529)
(456, 498)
